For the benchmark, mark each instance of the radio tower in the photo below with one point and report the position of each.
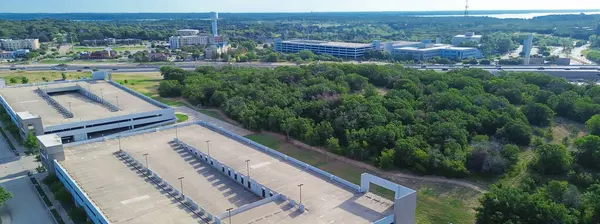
(467, 8)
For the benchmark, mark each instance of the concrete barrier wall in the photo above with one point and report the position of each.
(274, 153)
(96, 98)
(385, 220)
(252, 205)
(255, 187)
(9, 110)
(48, 83)
(93, 212)
(132, 92)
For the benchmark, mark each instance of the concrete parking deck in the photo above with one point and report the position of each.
(210, 189)
(324, 200)
(25, 99)
(122, 194)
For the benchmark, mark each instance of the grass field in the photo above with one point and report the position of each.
(39, 76)
(145, 83)
(120, 48)
(181, 117)
(435, 203)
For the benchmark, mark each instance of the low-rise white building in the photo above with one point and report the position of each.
(427, 50)
(467, 37)
(187, 32)
(13, 45)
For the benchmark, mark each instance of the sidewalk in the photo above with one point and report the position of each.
(55, 203)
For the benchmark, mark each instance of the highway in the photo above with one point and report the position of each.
(569, 72)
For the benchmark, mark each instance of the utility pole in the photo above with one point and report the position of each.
(181, 184)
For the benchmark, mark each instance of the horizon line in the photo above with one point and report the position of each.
(478, 10)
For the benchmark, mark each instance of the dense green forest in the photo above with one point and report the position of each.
(461, 123)
(342, 26)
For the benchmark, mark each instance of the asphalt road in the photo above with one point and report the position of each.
(569, 72)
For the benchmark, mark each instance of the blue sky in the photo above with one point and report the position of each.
(282, 5)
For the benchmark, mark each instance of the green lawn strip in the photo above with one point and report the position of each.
(57, 216)
(41, 192)
(432, 206)
(181, 117)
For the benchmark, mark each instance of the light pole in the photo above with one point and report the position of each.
(146, 155)
(70, 108)
(181, 184)
(176, 132)
(300, 186)
(229, 210)
(117, 97)
(248, 168)
(102, 94)
(208, 147)
(122, 149)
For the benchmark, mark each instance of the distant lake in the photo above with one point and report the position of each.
(517, 15)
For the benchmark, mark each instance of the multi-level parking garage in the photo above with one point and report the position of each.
(81, 109)
(200, 173)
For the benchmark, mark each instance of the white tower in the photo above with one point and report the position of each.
(214, 16)
(527, 45)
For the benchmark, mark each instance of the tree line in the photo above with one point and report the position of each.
(460, 123)
(453, 124)
(264, 27)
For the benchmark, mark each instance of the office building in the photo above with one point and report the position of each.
(467, 37)
(13, 45)
(177, 42)
(77, 110)
(103, 54)
(187, 32)
(527, 46)
(427, 50)
(7, 55)
(459, 53)
(200, 173)
(337, 49)
(389, 46)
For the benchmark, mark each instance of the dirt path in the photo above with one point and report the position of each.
(394, 175)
